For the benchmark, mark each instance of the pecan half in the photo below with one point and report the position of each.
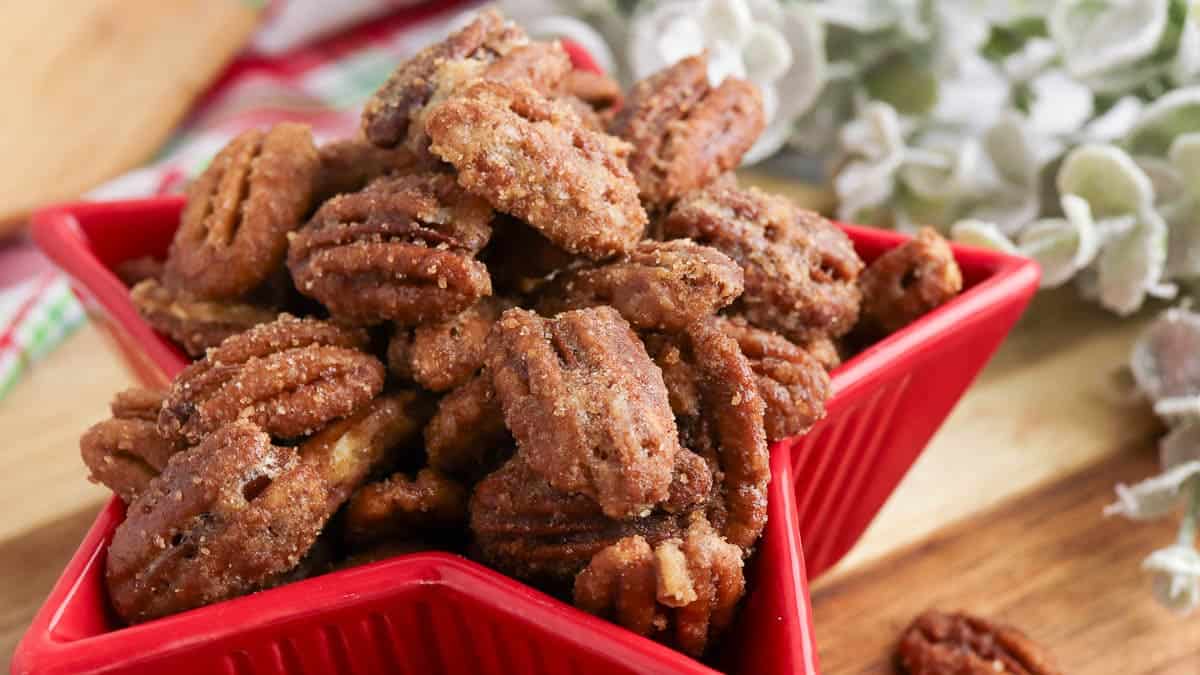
(402, 249)
(586, 405)
(446, 354)
(793, 384)
(290, 377)
(524, 527)
(685, 133)
(467, 436)
(961, 644)
(220, 521)
(126, 451)
(720, 413)
(194, 323)
(908, 282)
(801, 271)
(233, 232)
(657, 286)
(530, 156)
(682, 591)
(401, 507)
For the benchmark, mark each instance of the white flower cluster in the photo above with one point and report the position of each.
(1064, 130)
(1166, 366)
(1061, 129)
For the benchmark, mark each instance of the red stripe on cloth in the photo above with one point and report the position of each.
(8, 337)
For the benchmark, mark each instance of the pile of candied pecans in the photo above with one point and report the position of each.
(522, 317)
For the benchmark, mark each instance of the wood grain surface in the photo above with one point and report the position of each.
(1046, 562)
(93, 87)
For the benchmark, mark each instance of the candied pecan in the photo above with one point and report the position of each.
(401, 506)
(467, 436)
(685, 133)
(682, 592)
(220, 521)
(488, 48)
(657, 286)
(531, 157)
(348, 165)
(291, 377)
(586, 405)
(937, 643)
(448, 353)
(801, 270)
(136, 270)
(907, 282)
(519, 258)
(387, 114)
(126, 451)
(193, 323)
(402, 249)
(720, 414)
(348, 451)
(793, 384)
(233, 231)
(526, 528)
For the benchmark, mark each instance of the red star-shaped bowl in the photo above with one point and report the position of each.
(440, 613)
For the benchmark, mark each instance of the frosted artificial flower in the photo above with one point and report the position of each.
(875, 147)
(1165, 359)
(1162, 121)
(1156, 496)
(982, 234)
(779, 47)
(1097, 36)
(1059, 104)
(1064, 246)
(1176, 571)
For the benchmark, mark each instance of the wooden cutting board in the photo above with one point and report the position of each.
(94, 87)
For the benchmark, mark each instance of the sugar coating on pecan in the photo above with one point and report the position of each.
(586, 405)
(793, 384)
(220, 521)
(682, 591)
(488, 48)
(233, 231)
(291, 377)
(937, 643)
(402, 249)
(720, 413)
(388, 113)
(656, 286)
(908, 282)
(466, 436)
(801, 271)
(125, 452)
(193, 323)
(446, 354)
(405, 507)
(348, 165)
(526, 528)
(685, 133)
(530, 156)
